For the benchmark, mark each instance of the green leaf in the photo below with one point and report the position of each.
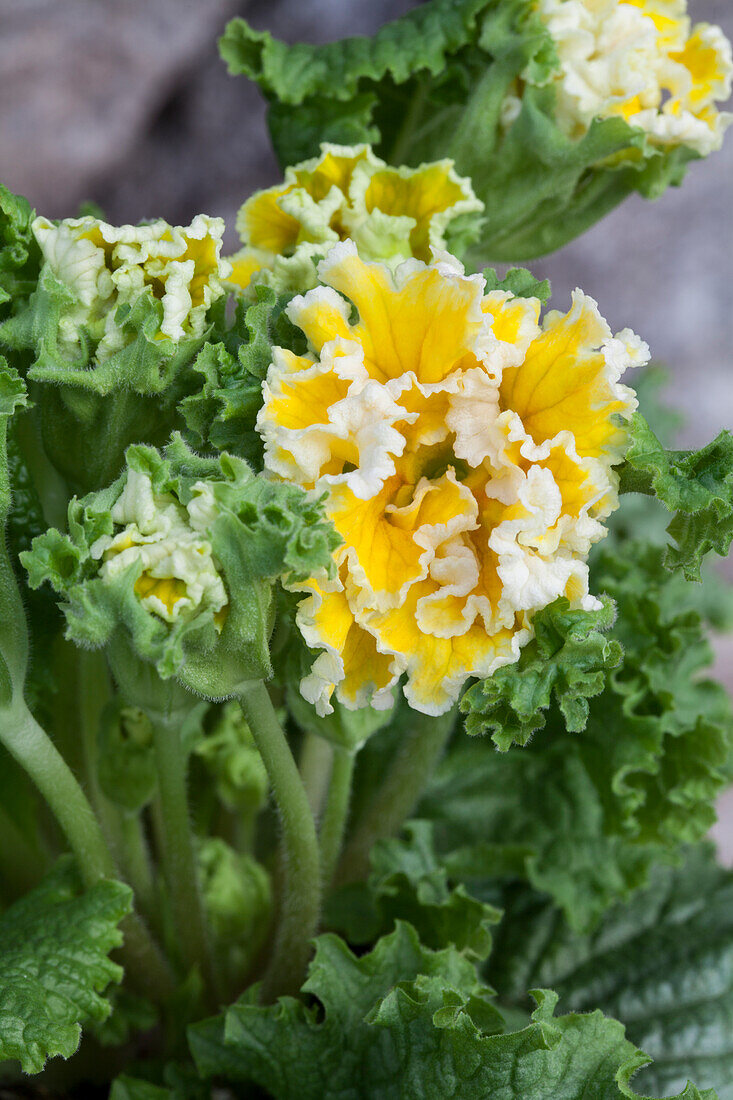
(433, 84)
(568, 660)
(409, 883)
(132, 1088)
(222, 413)
(662, 964)
(20, 255)
(54, 965)
(583, 815)
(422, 39)
(406, 1022)
(696, 485)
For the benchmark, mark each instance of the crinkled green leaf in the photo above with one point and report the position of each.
(518, 281)
(20, 255)
(582, 815)
(422, 39)
(432, 84)
(54, 965)
(696, 485)
(662, 964)
(406, 1022)
(409, 883)
(568, 660)
(221, 414)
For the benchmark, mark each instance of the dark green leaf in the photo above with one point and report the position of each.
(408, 883)
(582, 815)
(662, 964)
(54, 965)
(405, 1023)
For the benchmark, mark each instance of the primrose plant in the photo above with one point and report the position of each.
(356, 734)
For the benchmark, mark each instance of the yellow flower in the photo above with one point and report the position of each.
(641, 60)
(466, 451)
(347, 191)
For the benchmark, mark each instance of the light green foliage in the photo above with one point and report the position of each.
(432, 84)
(221, 413)
(568, 660)
(662, 965)
(406, 1022)
(20, 256)
(696, 485)
(54, 965)
(258, 531)
(582, 814)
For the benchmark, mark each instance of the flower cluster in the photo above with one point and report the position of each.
(640, 60)
(104, 267)
(167, 545)
(347, 191)
(467, 454)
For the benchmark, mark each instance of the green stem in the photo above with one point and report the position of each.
(179, 853)
(316, 757)
(412, 767)
(52, 490)
(135, 857)
(31, 747)
(301, 900)
(333, 826)
(33, 750)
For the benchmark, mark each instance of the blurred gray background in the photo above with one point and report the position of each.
(126, 103)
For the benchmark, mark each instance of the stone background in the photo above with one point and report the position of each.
(126, 103)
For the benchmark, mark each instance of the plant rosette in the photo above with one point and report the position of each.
(116, 317)
(173, 567)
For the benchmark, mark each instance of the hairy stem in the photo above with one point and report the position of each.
(301, 896)
(179, 853)
(336, 813)
(315, 762)
(411, 769)
(31, 747)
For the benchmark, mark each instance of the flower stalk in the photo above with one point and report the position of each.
(300, 902)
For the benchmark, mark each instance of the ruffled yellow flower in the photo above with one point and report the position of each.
(347, 191)
(641, 60)
(106, 266)
(466, 451)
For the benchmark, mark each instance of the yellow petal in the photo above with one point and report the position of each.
(419, 194)
(564, 383)
(262, 223)
(425, 324)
